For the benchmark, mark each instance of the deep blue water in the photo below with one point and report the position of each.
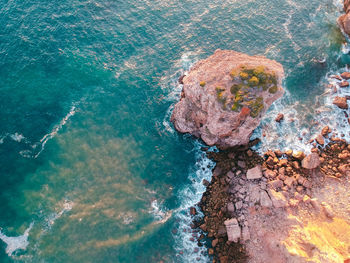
(89, 163)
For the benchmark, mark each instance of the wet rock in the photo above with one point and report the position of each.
(214, 242)
(205, 182)
(278, 199)
(336, 77)
(325, 131)
(340, 102)
(311, 161)
(345, 75)
(193, 211)
(343, 84)
(233, 229)
(254, 173)
(320, 139)
(279, 117)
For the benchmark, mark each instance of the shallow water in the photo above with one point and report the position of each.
(91, 168)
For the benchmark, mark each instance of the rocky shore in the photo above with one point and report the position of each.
(247, 189)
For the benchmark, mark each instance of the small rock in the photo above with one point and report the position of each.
(270, 174)
(340, 102)
(214, 242)
(336, 77)
(299, 155)
(279, 117)
(320, 139)
(275, 184)
(254, 173)
(325, 131)
(289, 182)
(211, 251)
(345, 75)
(205, 182)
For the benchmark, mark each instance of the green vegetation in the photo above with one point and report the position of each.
(256, 106)
(253, 81)
(202, 84)
(248, 82)
(273, 89)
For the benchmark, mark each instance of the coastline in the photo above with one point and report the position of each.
(231, 195)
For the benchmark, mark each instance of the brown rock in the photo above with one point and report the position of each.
(200, 113)
(214, 242)
(254, 173)
(275, 184)
(311, 161)
(340, 102)
(344, 84)
(320, 139)
(193, 211)
(345, 75)
(279, 117)
(325, 131)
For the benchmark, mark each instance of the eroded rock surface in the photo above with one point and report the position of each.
(225, 96)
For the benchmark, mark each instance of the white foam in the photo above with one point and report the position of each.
(66, 206)
(188, 250)
(160, 213)
(17, 137)
(53, 132)
(16, 243)
(287, 134)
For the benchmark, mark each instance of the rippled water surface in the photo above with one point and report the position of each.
(91, 169)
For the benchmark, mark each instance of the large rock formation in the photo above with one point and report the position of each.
(225, 96)
(344, 20)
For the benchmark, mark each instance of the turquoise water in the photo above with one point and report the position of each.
(91, 169)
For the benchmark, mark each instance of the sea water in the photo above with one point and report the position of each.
(91, 168)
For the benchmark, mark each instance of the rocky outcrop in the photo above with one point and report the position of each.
(344, 20)
(225, 96)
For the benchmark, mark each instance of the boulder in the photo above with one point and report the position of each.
(278, 199)
(340, 102)
(344, 23)
(229, 107)
(320, 139)
(279, 117)
(233, 230)
(345, 75)
(254, 173)
(311, 161)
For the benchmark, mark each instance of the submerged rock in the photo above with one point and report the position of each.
(238, 90)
